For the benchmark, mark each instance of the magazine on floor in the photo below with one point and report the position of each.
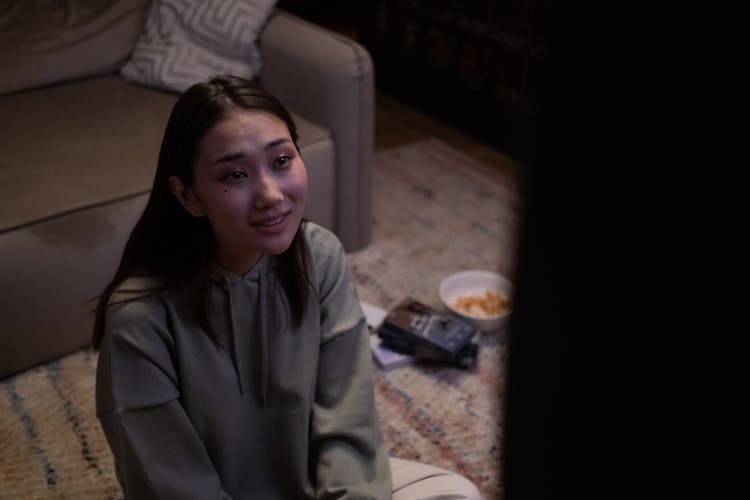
(414, 330)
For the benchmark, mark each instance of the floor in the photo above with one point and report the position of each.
(397, 123)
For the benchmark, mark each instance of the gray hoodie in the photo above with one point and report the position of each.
(273, 412)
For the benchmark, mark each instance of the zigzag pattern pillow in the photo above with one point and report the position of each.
(187, 41)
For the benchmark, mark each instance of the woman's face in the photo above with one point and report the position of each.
(250, 183)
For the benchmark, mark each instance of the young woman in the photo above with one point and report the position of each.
(234, 355)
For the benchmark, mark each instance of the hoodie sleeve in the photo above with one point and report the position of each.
(352, 460)
(156, 450)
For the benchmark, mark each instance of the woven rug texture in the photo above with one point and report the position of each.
(436, 211)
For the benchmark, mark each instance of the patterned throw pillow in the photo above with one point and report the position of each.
(187, 41)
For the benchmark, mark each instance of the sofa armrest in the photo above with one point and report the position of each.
(329, 79)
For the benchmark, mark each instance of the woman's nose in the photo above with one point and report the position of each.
(267, 191)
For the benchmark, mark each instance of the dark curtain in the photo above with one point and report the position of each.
(617, 278)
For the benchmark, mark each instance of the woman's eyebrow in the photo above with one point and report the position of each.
(277, 142)
(237, 156)
(229, 157)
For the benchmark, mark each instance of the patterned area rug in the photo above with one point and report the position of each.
(436, 211)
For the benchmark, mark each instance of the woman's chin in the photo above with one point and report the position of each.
(275, 243)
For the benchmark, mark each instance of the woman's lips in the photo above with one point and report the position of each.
(272, 224)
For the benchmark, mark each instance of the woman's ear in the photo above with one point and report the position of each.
(186, 196)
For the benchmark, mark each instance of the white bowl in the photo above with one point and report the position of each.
(477, 282)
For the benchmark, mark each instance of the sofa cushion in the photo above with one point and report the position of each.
(185, 41)
(77, 144)
(43, 42)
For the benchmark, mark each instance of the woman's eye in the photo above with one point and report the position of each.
(283, 160)
(235, 175)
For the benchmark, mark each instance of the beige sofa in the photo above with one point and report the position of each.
(78, 148)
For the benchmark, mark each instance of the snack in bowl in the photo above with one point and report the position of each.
(483, 298)
(486, 305)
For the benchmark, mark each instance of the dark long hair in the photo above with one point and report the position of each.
(169, 243)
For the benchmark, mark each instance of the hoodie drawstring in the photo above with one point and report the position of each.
(233, 334)
(262, 311)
